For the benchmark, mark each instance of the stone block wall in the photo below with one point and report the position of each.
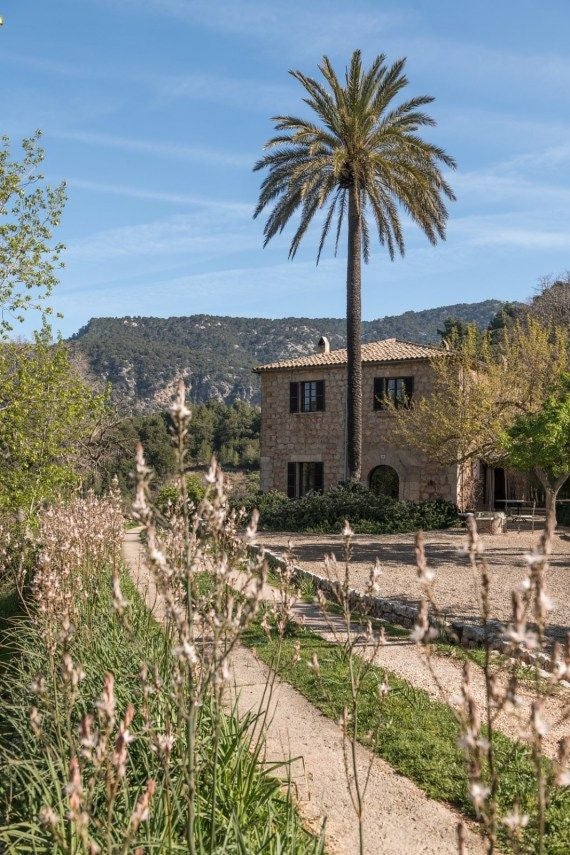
(321, 436)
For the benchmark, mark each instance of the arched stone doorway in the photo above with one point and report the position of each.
(384, 481)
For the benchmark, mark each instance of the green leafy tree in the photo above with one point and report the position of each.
(455, 331)
(48, 421)
(120, 440)
(360, 156)
(30, 209)
(480, 389)
(540, 442)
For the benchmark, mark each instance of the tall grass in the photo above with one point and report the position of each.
(116, 734)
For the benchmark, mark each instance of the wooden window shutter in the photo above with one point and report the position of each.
(320, 394)
(293, 397)
(319, 477)
(379, 392)
(409, 387)
(292, 480)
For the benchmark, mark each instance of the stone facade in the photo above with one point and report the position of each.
(321, 436)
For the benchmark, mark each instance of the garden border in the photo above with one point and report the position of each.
(460, 632)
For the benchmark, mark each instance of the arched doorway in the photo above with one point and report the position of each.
(384, 481)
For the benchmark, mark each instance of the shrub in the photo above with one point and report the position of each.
(367, 512)
(196, 489)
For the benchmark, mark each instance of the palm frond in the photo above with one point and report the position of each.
(361, 136)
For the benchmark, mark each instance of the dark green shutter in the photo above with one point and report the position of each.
(379, 392)
(292, 480)
(293, 397)
(409, 387)
(319, 477)
(320, 394)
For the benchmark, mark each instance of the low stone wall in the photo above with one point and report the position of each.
(455, 631)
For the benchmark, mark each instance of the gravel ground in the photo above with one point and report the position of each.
(456, 588)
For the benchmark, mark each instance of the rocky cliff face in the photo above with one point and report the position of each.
(143, 358)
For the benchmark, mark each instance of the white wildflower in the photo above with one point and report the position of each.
(314, 665)
(478, 792)
(383, 689)
(186, 651)
(515, 819)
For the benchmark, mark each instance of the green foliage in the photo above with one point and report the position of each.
(230, 432)
(367, 512)
(150, 352)
(480, 389)
(153, 432)
(196, 489)
(455, 331)
(29, 211)
(542, 439)
(46, 417)
(507, 314)
(166, 498)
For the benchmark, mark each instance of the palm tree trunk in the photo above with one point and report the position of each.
(353, 339)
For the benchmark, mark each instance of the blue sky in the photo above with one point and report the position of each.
(155, 111)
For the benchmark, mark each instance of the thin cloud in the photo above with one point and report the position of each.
(494, 185)
(215, 88)
(158, 149)
(307, 28)
(239, 208)
(510, 230)
(65, 69)
(198, 234)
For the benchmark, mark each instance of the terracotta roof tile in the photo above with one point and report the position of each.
(386, 350)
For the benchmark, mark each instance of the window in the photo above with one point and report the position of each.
(398, 390)
(307, 396)
(304, 478)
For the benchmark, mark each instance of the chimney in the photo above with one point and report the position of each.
(324, 345)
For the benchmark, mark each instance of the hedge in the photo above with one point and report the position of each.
(367, 513)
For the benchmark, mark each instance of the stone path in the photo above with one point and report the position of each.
(399, 817)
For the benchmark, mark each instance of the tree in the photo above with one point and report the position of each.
(29, 211)
(118, 445)
(540, 442)
(456, 330)
(479, 391)
(551, 304)
(361, 156)
(49, 419)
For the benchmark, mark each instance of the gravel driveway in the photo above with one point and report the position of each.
(456, 589)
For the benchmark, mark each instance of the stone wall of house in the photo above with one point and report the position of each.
(320, 437)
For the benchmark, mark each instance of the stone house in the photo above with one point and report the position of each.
(303, 431)
(303, 423)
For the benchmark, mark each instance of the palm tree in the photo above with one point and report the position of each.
(361, 153)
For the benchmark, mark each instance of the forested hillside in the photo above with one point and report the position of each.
(142, 358)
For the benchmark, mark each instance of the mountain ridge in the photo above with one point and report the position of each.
(142, 358)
